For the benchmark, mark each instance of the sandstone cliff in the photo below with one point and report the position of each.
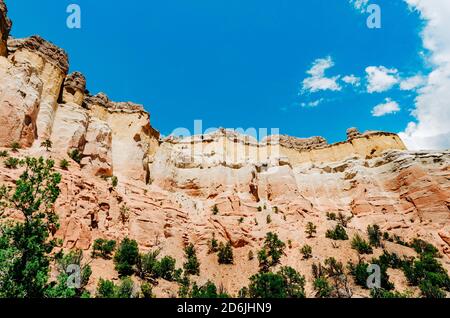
(169, 188)
(40, 102)
(5, 27)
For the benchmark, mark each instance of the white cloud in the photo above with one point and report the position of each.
(432, 106)
(381, 79)
(412, 83)
(360, 5)
(352, 80)
(313, 103)
(317, 80)
(320, 66)
(388, 107)
(432, 109)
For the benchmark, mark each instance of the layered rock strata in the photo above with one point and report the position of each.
(224, 184)
(40, 102)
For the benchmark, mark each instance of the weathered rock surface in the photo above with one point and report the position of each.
(97, 149)
(302, 143)
(48, 51)
(40, 102)
(5, 27)
(133, 138)
(405, 193)
(353, 133)
(69, 128)
(168, 190)
(20, 95)
(51, 65)
(74, 88)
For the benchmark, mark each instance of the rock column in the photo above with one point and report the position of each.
(5, 27)
(51, 64)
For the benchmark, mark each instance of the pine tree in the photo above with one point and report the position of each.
(26, 246)
(225, 253)
(192, 265)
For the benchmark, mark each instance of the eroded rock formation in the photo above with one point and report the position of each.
(170, 188)
(5, 27)
(40, 102)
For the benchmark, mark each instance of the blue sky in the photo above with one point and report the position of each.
(234, 63)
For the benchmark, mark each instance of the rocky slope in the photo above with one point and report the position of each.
(168, 188)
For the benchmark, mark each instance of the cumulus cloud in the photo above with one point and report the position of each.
(388, 107)
(412, 83)
(431, 130)
(432, 106)
(352, 80)
(381, 79)
(317, 80)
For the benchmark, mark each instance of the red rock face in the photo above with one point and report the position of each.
(169, 195)
(405, 193)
